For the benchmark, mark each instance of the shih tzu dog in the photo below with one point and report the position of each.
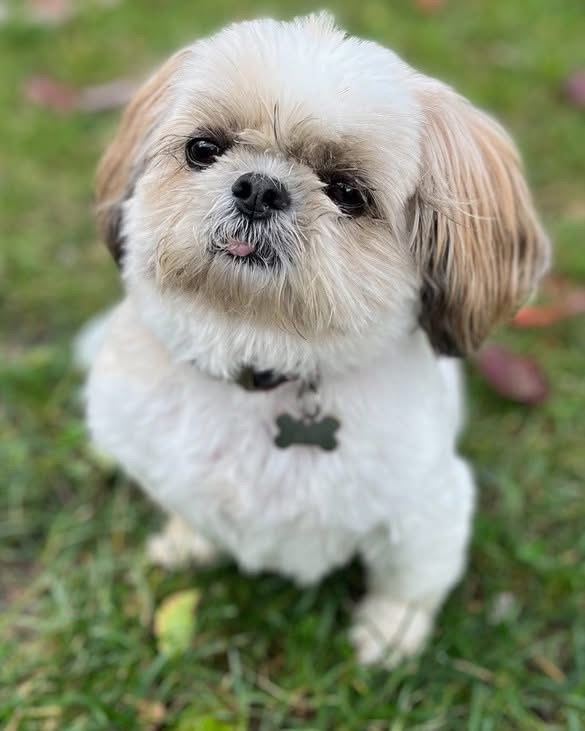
(305, 226)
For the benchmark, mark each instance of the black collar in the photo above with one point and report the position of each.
(252, 380)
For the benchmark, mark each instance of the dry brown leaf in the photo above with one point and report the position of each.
(562, 300)
(515, 377)
(111, 95)
(574, 88)
(49, 12)
(62, 97)
(429, 6)
(47, 92)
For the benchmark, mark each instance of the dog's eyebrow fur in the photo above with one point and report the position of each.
(326, 155)
(302, 137)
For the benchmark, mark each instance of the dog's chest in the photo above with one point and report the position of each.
(296, 510)
(222, 458)
(298, 503)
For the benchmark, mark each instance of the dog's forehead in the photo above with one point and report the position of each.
(307, 73)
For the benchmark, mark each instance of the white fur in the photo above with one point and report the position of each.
(394, 491)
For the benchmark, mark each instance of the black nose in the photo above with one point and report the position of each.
(259, 196)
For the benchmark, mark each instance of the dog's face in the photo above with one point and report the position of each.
(287, 175)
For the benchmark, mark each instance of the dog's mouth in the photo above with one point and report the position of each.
(267, 245)
(248, 253)
(239, 248)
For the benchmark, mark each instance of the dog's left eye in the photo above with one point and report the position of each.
(350, 199)
(201, 152)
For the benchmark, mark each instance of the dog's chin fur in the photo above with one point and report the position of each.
(220, 343)
(446, 246)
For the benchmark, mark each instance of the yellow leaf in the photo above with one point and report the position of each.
(174, 622)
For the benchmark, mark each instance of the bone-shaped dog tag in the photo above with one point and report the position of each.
(319, 433)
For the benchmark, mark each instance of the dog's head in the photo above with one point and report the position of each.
(292, 176)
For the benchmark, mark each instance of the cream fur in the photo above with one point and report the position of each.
(347, 302)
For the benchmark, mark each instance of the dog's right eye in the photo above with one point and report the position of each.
(201, 152)
(351, 198)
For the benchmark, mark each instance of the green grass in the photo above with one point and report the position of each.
(77, 649)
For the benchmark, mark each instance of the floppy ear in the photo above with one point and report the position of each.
(475, 235)
(126, 156)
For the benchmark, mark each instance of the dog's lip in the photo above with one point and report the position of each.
(237, 247)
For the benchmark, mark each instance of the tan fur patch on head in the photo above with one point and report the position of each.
(125, 155)
(475, 235)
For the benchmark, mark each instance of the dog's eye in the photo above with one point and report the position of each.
(351, 200)
(202, 152)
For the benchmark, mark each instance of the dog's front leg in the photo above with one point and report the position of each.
(411, 572)
(178, 545)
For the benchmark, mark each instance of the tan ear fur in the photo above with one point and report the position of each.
(475, 234)
(124, 158)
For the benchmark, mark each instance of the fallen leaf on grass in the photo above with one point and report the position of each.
(564, 303)
(47, 92)
(574, 88)
(55, 12)
(56, 95)
(174, 622)
(111, 95)
(429, 6)
(49, 12)
(515, 377)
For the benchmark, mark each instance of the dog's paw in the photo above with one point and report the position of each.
(387, 631)
(177, 545)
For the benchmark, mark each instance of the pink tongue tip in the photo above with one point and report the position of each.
(239, 248)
